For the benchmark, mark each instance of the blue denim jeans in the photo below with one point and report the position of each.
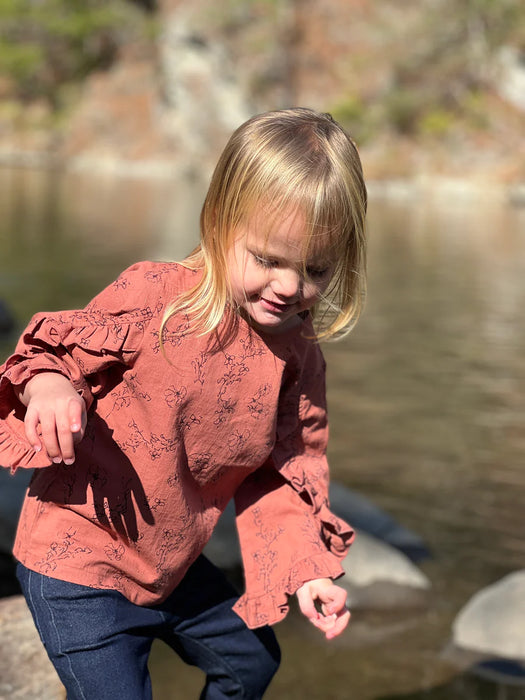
(99, 642)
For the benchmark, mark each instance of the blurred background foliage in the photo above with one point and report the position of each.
(440, 75)
(420, 72)
(420, 69)
(48, 45)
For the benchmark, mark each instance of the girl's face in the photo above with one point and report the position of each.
(269, 278)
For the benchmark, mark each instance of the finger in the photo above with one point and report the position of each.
(333, 600)
(31, 424)
(324, 623)
(65, 439)
(49, 438)
(339, 625)
(77, 419)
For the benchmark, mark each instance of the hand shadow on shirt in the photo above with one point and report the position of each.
(117, 492)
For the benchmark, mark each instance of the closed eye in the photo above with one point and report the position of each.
(316, 273)
(311, 272)
(264, 262)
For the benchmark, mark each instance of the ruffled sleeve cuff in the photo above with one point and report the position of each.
(15, 450)
(18, 370)
(272, 606)
(76, 344)
(285, 542)
(335, 533)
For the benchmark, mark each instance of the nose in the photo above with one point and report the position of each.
(287, 284)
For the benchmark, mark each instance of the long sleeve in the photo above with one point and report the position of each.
(287, 533)
(82, 345)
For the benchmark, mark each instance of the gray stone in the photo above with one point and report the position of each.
(492, 623)
(380, 576)
(365, 516)
(25, 670)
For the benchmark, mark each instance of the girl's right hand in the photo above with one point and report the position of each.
(54, 405)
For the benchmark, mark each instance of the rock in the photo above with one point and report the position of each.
(492, 623)
(510, 70)
(379, 576)
(488, 636)
(363, 515)
(25, 670)
(223, 549)
(517, 194)
(203, 98)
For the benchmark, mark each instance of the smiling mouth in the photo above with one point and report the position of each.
(275, 306)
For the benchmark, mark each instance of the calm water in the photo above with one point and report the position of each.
(427, 399)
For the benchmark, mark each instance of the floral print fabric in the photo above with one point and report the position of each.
(174, 432)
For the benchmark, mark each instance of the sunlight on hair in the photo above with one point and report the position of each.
(284, 161)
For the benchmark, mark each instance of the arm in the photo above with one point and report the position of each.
(287, 546)
(61, 363)
(290, 540)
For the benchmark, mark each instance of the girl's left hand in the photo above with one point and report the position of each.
(334, 615)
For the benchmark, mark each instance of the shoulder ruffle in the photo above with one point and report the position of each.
(272, 606)
(92, 329)
(80, 345)
(90, 339)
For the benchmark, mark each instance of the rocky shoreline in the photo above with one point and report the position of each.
(403, 187)
(25, 670)
(164, 111)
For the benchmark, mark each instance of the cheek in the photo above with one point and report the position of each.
(254, 275)
(247, 281)
(236, 281)
(313, 290)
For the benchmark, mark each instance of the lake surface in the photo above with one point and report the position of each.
(426, 397)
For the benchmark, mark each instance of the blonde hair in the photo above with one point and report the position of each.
(287, 160)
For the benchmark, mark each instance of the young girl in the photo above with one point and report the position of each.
(177, 388)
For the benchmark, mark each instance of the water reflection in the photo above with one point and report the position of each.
(437, 361)
(64, 236)
(427, 398)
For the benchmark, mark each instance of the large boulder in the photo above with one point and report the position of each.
(25, 670)
(492, 622)
(488, 632)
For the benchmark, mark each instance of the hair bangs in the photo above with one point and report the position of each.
(280, 163)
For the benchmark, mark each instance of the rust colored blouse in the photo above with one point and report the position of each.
(169, 441)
